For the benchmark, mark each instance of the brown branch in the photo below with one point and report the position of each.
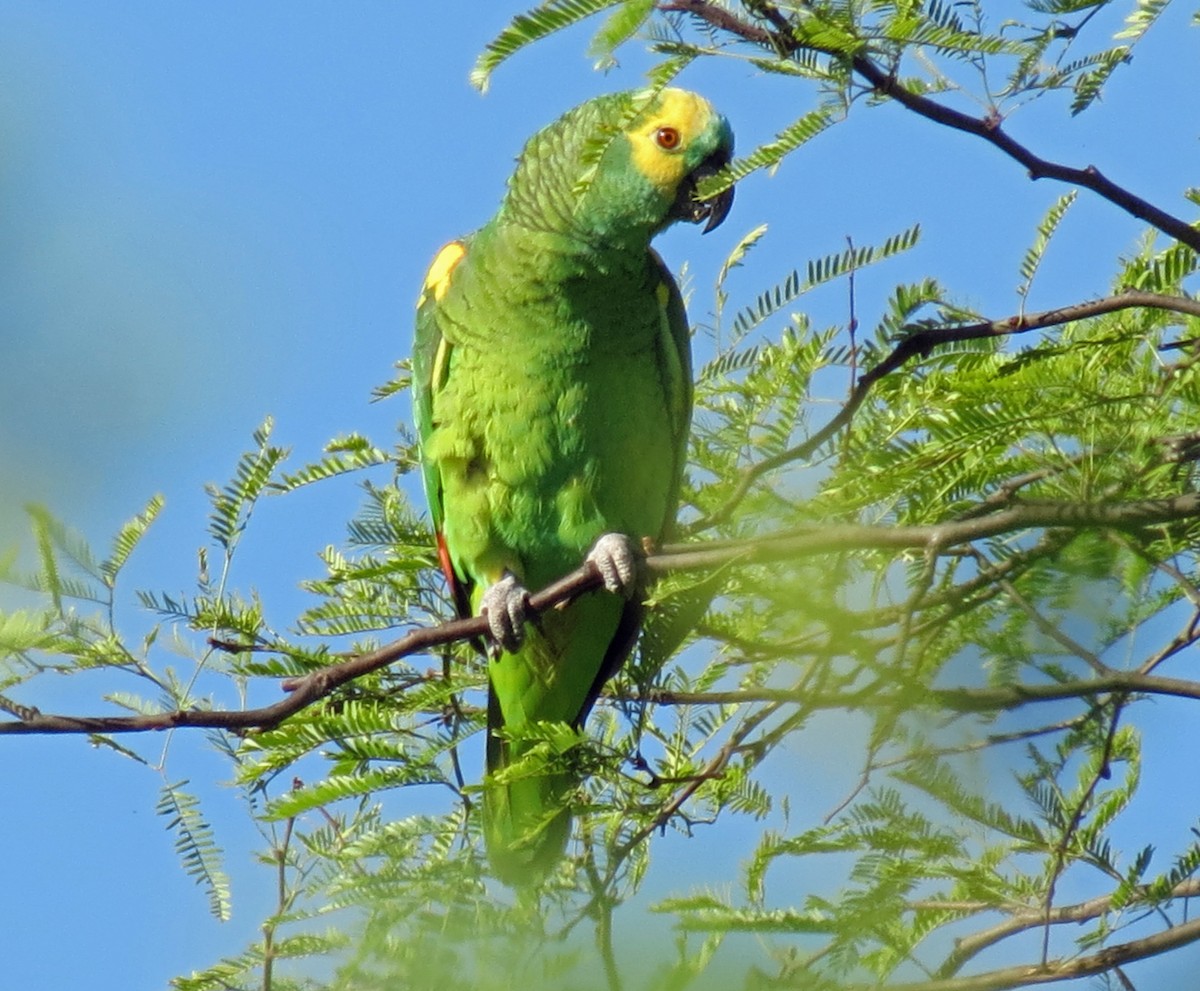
(987, 128)
(303, 691)
(942, 537)
(920, 344)
(969, 946)
(955, 699)
(787, 545)
(1052, 971)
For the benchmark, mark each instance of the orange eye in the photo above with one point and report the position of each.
(667, 138)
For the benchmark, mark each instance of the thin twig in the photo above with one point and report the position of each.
(969, 946)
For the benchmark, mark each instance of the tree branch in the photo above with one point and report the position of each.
(920, 344)
(783, 41)
(786, 545)
(1052, 971)
(969, 946)
(955, 699)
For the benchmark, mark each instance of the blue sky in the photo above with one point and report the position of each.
(216, 211)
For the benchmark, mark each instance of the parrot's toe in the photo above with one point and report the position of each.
(504, 607)
(618, 562)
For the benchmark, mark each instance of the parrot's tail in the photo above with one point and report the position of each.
(526, 808)
(526, 823)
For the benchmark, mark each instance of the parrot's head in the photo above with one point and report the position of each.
(678, 140)
(622, 167)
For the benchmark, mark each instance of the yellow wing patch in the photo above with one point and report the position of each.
(441, 364)
(686, 112)
(437, 280)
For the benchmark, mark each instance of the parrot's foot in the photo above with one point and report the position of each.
(504, 607)
(618, 562)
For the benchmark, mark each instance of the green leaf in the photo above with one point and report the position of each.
(1089, 84)
(817, 272)
(195, 845)
(233, 504)
(618, 28)
(1046, 229)
(24, 630)
(771, 154)
(343, 455)
(127, 539)
(533, 25)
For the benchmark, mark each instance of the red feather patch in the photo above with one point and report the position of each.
(457, 592)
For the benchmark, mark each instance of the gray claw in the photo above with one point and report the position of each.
(618, 562)
(503, 606)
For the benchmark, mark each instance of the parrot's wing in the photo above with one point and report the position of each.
(675, 360)
(674, 356)
(431, 365)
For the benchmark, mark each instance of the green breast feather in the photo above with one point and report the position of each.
(552, 394)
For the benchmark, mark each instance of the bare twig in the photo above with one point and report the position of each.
(969, 946)
(1052, 971)
(955, 699)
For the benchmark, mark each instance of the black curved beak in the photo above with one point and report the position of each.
(714, 209)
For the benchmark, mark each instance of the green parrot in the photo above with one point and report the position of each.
(552, 391)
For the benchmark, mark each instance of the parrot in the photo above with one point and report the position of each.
(552, 394)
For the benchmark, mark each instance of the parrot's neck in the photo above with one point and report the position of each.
(566, 234)
(572, 250)
(606, 214)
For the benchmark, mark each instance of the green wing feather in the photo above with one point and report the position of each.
(675, 357)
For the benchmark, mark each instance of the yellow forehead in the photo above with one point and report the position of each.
(690, 114)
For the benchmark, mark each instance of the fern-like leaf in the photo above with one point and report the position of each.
(533, 25)
(233, 504)
(818, 271)
(22, 631)
(342, 455)
(127, 539)
(195, 845)
(1045, 231)
(1089, 84)
(618, 28)
(770, 155)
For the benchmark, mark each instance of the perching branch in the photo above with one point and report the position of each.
(787, 545)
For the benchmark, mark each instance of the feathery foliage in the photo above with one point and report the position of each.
(936, 744)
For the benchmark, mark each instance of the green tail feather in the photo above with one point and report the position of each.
(526, 823)
(542, 694)
(526, 815)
